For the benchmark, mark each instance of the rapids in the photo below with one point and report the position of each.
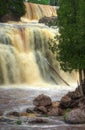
(28, 68)
(25, 57)
(37, 11)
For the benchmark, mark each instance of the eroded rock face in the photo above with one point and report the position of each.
(14, 113)
(42, 100)
(53, 112)
(29, 110)
(38, 121)
(44, 105)
(82, 103)
(70, 100)
(65, 102)
(9, 17)
(76, 116)
(48, 20)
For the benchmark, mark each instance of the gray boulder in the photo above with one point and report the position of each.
(42, 100)
(76, 116)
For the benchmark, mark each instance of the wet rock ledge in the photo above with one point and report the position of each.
(67, 114)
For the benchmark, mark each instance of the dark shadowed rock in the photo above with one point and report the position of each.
(29, 111)
(82, 103)
(65, 102)
(75, 94)
(71, 99)
(42, 100)
(9, 17)
(55, 111)
(41, 109)
(48, 20)
(76, 116)
(38, 120)
(1, 113)
(14, 114)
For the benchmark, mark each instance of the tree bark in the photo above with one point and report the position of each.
(81, 80)
(84, 74)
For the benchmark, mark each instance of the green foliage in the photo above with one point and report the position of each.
(53, 46)
(81, 36)
(66, 113)
(68, 110)
(46, 115)
(53, 22)
(68, 29)
(16, 7)
(18, 122)
(45, 2)
(3, 8)
(65, 116)
(70, 51)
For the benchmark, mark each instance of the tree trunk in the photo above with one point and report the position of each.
(84, 74)
(81, 80)
(83, 83)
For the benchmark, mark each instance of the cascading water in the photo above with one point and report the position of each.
(26, 62)
(37, 11)
(24, 52)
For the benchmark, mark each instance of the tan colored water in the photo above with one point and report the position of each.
(25, 57)
(28, 68)
(37, 11)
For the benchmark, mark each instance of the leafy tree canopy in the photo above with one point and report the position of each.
(46, 2)
(16, 7)
(71, 23)
(70, 51)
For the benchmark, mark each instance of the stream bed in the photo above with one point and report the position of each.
(20, 98)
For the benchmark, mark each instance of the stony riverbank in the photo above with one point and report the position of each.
(21, 99)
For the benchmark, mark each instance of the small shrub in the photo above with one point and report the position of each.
(18, 122)
(68, 109)
(66, 113)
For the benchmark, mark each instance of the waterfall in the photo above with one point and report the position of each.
(37, 11)
(24, 52)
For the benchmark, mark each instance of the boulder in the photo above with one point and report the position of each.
(82, 103)
(38, 121)
(75, 94)
(65, 102)
(71, 99)
(29, 111)
(53, 112)
(42, 100)
(41, 109)
(9, 17)
(48, 20)
(55, 104)
(76, 116)
(14, 113)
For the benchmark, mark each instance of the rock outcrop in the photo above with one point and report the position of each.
(42, 100)
(44, 105)
(49, 21)
(76, 116)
